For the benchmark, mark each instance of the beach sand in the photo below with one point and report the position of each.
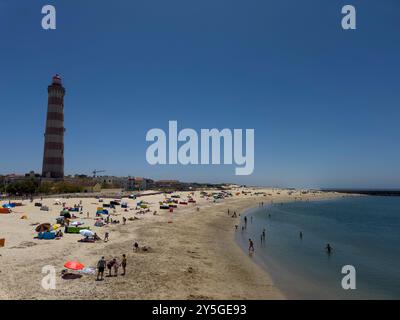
(192, 254)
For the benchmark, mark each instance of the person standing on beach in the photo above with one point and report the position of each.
(110, 265)
(245, 222)
(123, 264)
(263, 234)
(116, 266)
(251, 246)
(301, 235)
(106, 237)
(100, 268)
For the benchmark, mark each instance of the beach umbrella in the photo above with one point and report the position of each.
(86, 233)
(43, 227)
(74, 265)
(66, 215)
(56, 226)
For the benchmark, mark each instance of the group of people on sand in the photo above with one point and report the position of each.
(234, 215)
(142, 211)
(109, 220)
(112, 265)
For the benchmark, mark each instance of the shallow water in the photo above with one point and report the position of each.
(363, 231)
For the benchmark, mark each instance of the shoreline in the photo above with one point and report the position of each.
(194, 257)
(259, 260)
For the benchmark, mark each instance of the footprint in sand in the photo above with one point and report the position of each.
(24, 244)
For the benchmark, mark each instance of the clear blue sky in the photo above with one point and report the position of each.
(324, 102)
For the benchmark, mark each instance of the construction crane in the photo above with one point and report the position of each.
(96, 172)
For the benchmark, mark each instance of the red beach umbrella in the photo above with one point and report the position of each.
(74, 265)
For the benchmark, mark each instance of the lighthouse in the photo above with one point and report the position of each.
(53, 156)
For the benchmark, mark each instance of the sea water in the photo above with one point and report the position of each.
(363, 231)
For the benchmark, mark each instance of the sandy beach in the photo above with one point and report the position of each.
(192, 253)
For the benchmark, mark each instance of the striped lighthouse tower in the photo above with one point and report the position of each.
(53, 156)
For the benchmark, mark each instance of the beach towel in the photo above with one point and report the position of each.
(87, 271)
(74, 230)
(46, 235)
